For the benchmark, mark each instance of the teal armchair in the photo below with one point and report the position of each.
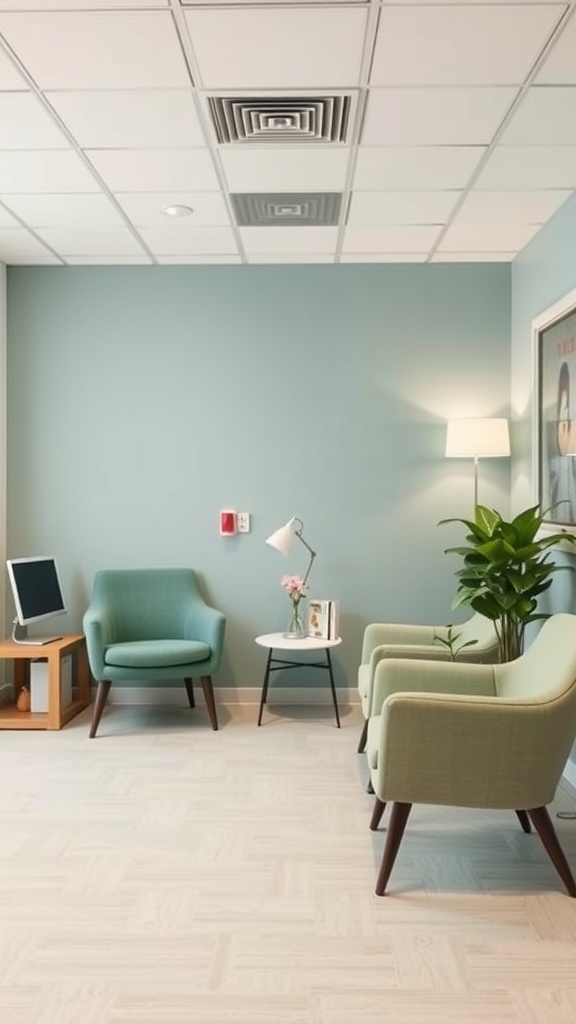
(397, 640)
(479, 736)
(146, 625)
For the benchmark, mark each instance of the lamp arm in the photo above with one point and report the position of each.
(298, 533)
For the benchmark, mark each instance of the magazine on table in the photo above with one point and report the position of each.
(323, 618)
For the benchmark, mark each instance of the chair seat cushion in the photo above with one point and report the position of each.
(155, 653)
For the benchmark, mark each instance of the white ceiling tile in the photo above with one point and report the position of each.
(97, 49)
(174, 240)
(394, 238)
(155, 170)
(416, 167)
(272, 170)
(108, 260)
(529, 207)
(47, 171)
(145, 208)
(19, 246)
(289, 240)
(129, 118)
(559, 66)
(473, 257)
(492, 237)
(89, 240)
(259, 49)
(67, 210)
(206, 258)
(450, 45)
(546, 116)
(383, 257)
(10, 77)
(25, 124)
(402, 207)
(532, 167)
(255, 3)
(7, 220)
(434, 116)
(292, 257)
(78, 5)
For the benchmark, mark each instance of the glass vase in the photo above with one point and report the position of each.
(296, 628)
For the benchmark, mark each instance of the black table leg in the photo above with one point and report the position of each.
(265, 686)
(332, 687)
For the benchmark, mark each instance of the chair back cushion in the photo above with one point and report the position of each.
(547, 668)
(145, 603)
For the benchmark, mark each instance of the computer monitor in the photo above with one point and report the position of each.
(37, 594)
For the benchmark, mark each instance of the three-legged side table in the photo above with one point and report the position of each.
(289, 648)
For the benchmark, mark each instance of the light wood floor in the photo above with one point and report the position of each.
(166, 874)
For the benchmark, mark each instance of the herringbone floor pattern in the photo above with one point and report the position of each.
(166, 874)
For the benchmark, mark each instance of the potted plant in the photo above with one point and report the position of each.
(506, 569)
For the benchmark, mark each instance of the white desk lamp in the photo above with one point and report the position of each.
(477, 439)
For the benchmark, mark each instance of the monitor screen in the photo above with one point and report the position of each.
(36, 588)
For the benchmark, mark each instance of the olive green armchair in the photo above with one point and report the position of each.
(480, 736)
(397, 640)
(148, 626)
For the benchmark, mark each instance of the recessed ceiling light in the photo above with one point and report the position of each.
(175, 210)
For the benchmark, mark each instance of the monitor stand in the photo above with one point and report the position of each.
(20, 636)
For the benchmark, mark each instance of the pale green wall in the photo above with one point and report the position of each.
(143, 400)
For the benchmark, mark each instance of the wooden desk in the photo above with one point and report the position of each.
(56, 716)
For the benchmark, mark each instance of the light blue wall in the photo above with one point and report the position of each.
(143, 400)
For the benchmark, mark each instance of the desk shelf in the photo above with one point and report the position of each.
(56, 716)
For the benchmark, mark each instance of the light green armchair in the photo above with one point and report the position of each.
(146, 625)
(490, 736)
(396, 640)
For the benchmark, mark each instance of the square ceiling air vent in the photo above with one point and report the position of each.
(280, 119)
(291, 209)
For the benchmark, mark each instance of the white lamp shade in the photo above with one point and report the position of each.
(477, 439)
(283, 539)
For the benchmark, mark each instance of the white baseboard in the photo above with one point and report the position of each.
(175, 696)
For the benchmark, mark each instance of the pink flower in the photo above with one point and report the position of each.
(295, 586)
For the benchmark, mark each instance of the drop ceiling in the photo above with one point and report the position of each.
(329, 132)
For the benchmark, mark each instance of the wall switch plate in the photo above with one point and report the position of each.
(243, 522)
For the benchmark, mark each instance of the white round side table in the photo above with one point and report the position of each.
(278, 642)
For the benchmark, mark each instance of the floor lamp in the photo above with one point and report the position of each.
(477, 439)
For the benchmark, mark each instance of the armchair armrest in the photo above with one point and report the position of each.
(98, 630)
(202, 622)
(433, 675)
(470, 751)
(378, 634)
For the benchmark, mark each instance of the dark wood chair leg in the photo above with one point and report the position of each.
(379, 808)
(541, 820)
(398, 818)
(208, 691)
(190, 691)
(362, 740)
(370, 788)
(99, 705)
(524, 820)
